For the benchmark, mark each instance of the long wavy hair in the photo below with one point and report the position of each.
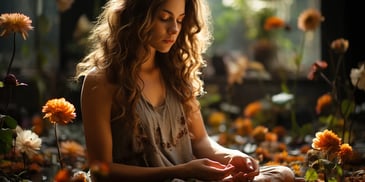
(123, 27)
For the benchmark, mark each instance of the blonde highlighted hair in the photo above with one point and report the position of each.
(123, 28)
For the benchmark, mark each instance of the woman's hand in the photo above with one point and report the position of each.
(246, 168)
(206, 169)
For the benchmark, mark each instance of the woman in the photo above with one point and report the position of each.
(139, 106)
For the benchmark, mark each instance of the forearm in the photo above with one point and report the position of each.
(121, 172)
(208, 148)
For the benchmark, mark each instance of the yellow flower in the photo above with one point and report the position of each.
(340, 45)
(217, 118)
(15, 22)
(309, 20)
(326, 141)
(27, 142)
(72, 148)
(59, 111)
(273, 22)
(345, 152)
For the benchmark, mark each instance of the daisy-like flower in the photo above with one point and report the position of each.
(28, 142)
(59, 111)
(273, 22)
(80, 176)
(309, 20)
(358, 77)
(345, 152)
(72, 148)
(340, 45)
(15, 22)
(326, 141)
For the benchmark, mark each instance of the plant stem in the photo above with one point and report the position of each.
(12, 56)
(58, 146)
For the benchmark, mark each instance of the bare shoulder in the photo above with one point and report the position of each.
(95, 84)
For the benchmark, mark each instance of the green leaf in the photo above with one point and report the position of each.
(10, 122)
(347, 107)
(332, 179)
(311, 175)
(6, 137)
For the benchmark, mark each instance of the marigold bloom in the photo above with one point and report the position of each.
(63, 175)
(252, 108)
(358, 77)
(59, 111)
(340, 45)
(323, 101)
(243, 126)
(259, 133)
(326, 141)
(15, 22)
(273, 22)
(216, 118)
(72, 148)
(309, 20)
(345, 152)
(28, 142)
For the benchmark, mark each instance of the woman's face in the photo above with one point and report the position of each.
(167, 25)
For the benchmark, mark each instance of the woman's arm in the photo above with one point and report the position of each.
(96, 102)
(204, 146)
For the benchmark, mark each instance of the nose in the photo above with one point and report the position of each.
(174, 28)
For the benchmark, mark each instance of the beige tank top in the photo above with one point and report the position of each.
(165, 139)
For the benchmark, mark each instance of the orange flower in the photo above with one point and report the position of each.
(326, 141)
(259, 133)
(72, 148)
(271, 137)
(273, 22)
(309, 20)
(322, 102)
(252, 109)
(345, 152)
(15, 22)
(243, 126)
(340, 45)
(100, 168)
(217, 118)
(63, 175)
(59, 111)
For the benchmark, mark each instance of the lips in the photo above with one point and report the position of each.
(169, 41)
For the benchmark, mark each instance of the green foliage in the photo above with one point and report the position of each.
(311, 175)
(6, 134)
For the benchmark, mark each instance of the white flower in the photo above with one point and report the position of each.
(358, 77)
(28, 142)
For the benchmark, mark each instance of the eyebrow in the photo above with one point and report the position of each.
(169, 12)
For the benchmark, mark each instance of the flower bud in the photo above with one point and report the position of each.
(10, 80)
